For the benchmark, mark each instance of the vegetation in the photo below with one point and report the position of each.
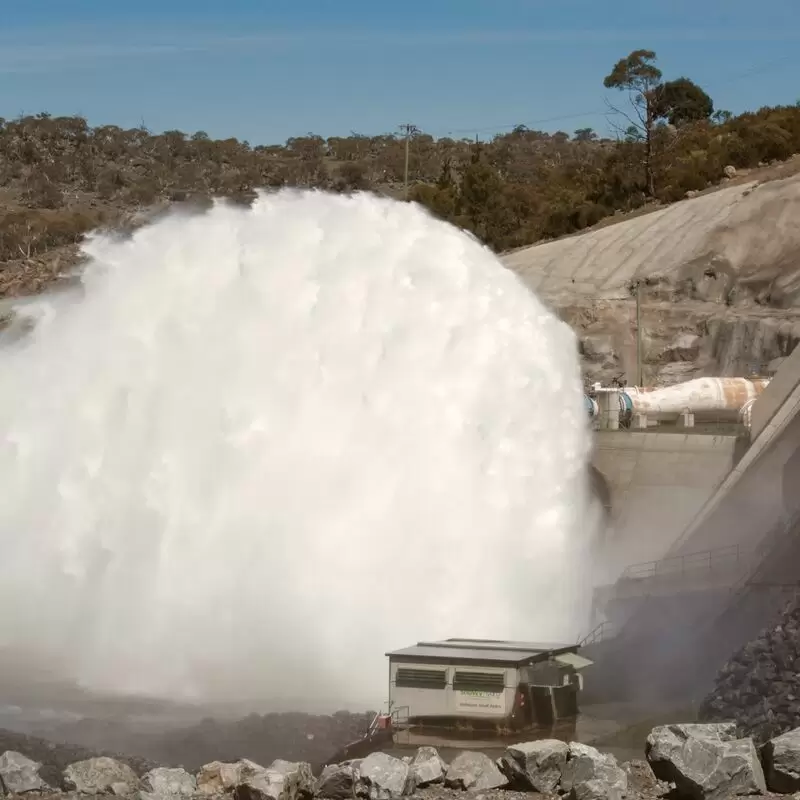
(60, 177)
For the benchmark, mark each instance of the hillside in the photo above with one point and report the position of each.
(719, 275)
(60, 177)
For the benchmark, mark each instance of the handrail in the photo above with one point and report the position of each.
(598, 634)
(701, 559)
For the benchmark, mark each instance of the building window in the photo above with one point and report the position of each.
(491, 682)
(411, 678)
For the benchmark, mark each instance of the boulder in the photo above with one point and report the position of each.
(337, 782)
(730, 171)
(100, 775)
(782, 762)
(427, 767)
(382, 777)
(642, 781)
(19, 774)
(282, 780)
(218, 776)
(476, 771)
(704, 761)
(163, 782)
(535, 765)
(592, 775)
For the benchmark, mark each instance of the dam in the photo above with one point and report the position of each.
(705, 544)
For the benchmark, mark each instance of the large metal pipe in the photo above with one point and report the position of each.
(723, 396)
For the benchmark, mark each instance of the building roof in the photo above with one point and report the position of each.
(482, 650)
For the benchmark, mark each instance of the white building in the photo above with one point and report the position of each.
(513, 684)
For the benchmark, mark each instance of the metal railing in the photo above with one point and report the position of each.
(600, 633)
(716, 559)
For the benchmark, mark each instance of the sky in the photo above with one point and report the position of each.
(266, 70)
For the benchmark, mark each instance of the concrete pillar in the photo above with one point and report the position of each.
(608, 408)
(686, 419)
(640, 420)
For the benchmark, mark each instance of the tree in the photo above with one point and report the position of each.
(585, 135)
(640, 78)
(681, 101)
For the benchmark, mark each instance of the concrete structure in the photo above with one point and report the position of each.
(679, 626)
(655, 484)
(489, 683)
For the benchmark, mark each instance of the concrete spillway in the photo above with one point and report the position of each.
(677, 617)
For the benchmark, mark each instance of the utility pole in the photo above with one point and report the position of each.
(640, 375)
(409, 130)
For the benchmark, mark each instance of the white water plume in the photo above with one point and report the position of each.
(269, 444)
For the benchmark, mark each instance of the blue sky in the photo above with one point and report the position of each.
(265, 70)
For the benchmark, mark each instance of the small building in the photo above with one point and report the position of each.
(485, 683)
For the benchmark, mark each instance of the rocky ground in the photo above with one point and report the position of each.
(759, 687)
(703, 762)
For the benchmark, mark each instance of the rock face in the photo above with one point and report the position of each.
(163, 782)
(476, 771)
(427, 767)
(19, 774)
(337, 782)
(719, 273)
(381, 777)
(592, 775)
(759, 687)
(705, 761)
(537, 766)
(100, 776)
(781, 758)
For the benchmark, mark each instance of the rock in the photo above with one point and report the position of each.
(297, 779)
(691, 193)
(704, 761)
(782, 762)
(476, 771)
(101, 775)
(590, 774)
(282, 780)
(642, 780)
(169, 783)
(19, 774)
(730, 171)
(218, 777)
(382, 777)
(337, 782)
(536, 765)
(427, 767)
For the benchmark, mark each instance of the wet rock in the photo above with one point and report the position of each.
(704, 761)
(759, 687)
(101, 775)
(382, 777)
(163, 782)
(219, 776)
(474, 771)
(536, 765)
(643, 782)
(781, 758)
(282, 780)
(427, 767)
(592, 775)
(297, 779)
(19, 774)
(337, 782)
